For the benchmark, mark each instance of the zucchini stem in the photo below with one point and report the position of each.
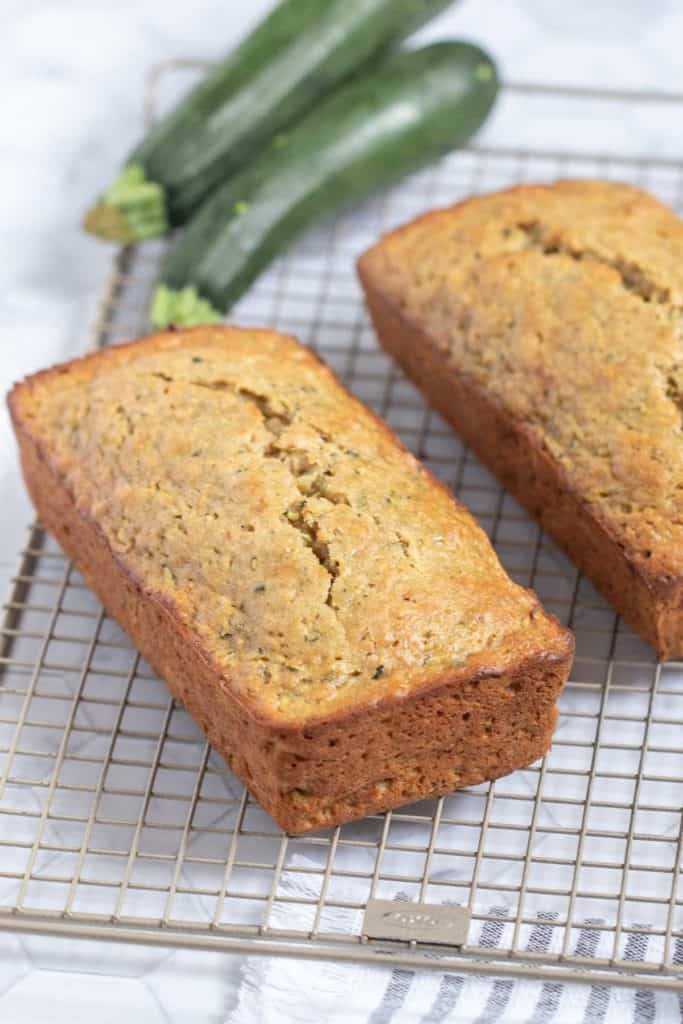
(130, 210)
(181, 307)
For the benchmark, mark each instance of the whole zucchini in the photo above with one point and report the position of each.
(416, 106)
(296, 55)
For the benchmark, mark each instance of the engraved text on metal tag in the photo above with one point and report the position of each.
(423, 922)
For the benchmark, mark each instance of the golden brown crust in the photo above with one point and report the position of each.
(292, 767)
(560, 469)
(417, 778)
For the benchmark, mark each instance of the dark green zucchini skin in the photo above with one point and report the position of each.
(300, 52)
(415, 107)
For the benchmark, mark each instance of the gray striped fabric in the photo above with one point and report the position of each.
(445, 1000)
(397, 988)
(598, 998)
(501, 990)
(645, 1010)
(678, 959)
(394, 996)
(450, 1005)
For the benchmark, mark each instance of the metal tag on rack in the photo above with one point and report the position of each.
(442, 925)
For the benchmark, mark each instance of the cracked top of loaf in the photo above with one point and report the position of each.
(566, 303)
(321, 567)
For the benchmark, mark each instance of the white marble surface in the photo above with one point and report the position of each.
(72, 77)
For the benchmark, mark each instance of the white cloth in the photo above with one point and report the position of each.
(277, 990)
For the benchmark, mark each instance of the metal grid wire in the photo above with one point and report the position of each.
(117, 820)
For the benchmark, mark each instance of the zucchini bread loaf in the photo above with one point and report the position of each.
(546, 324)
(338, 625)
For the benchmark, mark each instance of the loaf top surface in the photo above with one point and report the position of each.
(320, 566)
(566, 303)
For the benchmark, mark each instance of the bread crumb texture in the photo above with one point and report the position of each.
(566, 303)
(321, 567)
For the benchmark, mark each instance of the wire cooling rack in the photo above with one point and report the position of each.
(118, 821)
